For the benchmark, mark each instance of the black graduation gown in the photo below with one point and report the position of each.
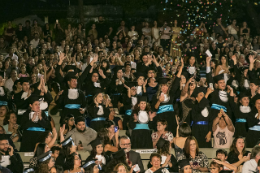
(127, 110)
(252, 136)
(200, 119)
(21, 105)
(98, 121)
(3, 96)
(150, 91)
(240, 119)
(115, 92)
(169, 116)
(64, 101)
(141, 138)
(30, 138)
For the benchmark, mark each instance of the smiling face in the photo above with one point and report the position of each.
(240, 144)
(156, 162)
(142, 105)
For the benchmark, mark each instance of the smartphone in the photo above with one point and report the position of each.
(116, 129)
(9, 149)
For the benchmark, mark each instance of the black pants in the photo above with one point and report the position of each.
(166, 44)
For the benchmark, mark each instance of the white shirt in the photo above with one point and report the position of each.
(9, 84)
(249, 166)
(84, 66)
(13, 57)
(34, 43)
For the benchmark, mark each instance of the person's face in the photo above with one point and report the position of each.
(56, 154)
(81, 126)
(165, 88)
(240, 144)
(222, 157)
(3, 111)
(223, 60)
(71, 121)
(119, 74)
(142, 105)
(140, 80)
(14, 74)
(160, 126)
(36, 36)
(133, 28)
(192, 60)
(234, 22)
(121, 169)
(221, 84)
(146, 24)
(12, 119)
(35, 106)
(151, 74)
(49, 138)
(133, 91)
(214, 169)
(99, 148)
(125, 143)
(4, 145)
(111, 129)
(99, 98)
(156, 162)
(77, 161)
(19, 86)
(244, 101)
(51, 162)
(200, 96)
(25, 86)
(73, 83)
(187, 169)
(145, 59)
(193, 146)
(257, 104)
(94, 77)
(53, 170)
(253, 86)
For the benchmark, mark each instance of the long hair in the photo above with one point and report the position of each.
(160, 88)
(103, 135)
(111, 165)
(165, 149)
(121, 164)
(43, 167)
(40, 149)
(186, 148)
(137, 108)
(7, 117)
(90, 169)
(234, 148)
(94, 152)
(43, 136)
(65, 150)
(70, 161)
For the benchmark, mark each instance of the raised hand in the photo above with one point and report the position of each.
(62, 57)
(161, 98)
(251, 59)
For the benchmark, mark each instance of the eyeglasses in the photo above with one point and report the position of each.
(126, 144)
(72, 120)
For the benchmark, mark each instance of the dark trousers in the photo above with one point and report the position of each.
(166, 44)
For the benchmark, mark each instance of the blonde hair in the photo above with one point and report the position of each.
(159, 90)
(120, 164)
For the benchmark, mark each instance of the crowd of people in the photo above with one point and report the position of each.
(171, 92)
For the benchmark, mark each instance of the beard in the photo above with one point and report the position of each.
(81, 131)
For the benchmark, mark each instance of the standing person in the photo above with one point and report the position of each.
(233, 29)
(251, 165)
(34, 123)
(165, 32)
(219, 29)
(223, 130)
(155, 33)
(147, 31)
(82, 135)
(245, 30)
(141, 122)
(175, 49)
(10, 159)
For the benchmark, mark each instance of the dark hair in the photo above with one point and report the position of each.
(70, 161)
(103, 135)
(137, 108)
(55, 148)
(43, 136)
(215, 164)
(90, 169)
(186, 148)
(111, 165)
(56, 87)
(108, 123)
(163, 122)
(155, 155)
(234, 148)
(7, 117)
(66, 121)
(43, 167)
(184, 130)
(65, 150)
(165, 149)
(94, 151)
(40, 149)
(221, 151)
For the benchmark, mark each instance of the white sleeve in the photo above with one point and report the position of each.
(208, 69)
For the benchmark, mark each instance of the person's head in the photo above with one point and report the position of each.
(10, 118)
(73, 82)
(191, 145)
(121, 168)
(4, 145)
(25, 86)
(234, 22)
(256, 153)
(238, 145)
(40, 149)
(73, 161)
(110, 126)
(69, 121)
(35, 106)
(55, 151)
(91, 167)
(221, 155)
(161, 125)
(221, 84)
(244, 24)
(125, 142)
(94, 77)
(46, 137)
(215, 167)
(244, 100)
(184, 130)
(80, 124)
(224, 60)
(145, 59)
(192, 61)
(155, 160)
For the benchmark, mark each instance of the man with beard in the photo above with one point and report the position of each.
(131, 155)
(10, 159)
(82, 135)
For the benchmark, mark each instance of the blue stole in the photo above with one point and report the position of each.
(99, 119)
(218, 107)
(47, 113)
(88, 96)
(200, 123)
(3, 103)
(72, 106)
(165, 108)
(255, 128)
(240, 120)
(141, 127)
(128, 112)
(36, 129)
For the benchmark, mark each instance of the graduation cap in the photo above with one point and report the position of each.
(218, 78)
(198, 90)
(116, 69)
(29, 170)
(131, 84)
(119, 154)
(71, 68)
(142, 98)
(183, 163)
(5, 136)
(2, 74)
(255, 81)
(97, 91)
(80, 119)
(139, 74)
(242, 95)
(67, 141)
(255, 98)
(185, 74)
(160, 143)
(44, 157)
(88, 164)
(163, 80)
(95, 143)
(33, 98)
(24, 79)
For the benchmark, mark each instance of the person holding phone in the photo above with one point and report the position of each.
(199, 161)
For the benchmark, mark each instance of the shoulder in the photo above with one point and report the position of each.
(201, 154)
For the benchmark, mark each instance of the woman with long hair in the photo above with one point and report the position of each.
(11, 126)
(118, 158)
(45, 163)
(73, 164)
(223, 66)
(69, 123)
(40, 149)
(237, 153)
(199, 160)
(141, 122)
(163, 100)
